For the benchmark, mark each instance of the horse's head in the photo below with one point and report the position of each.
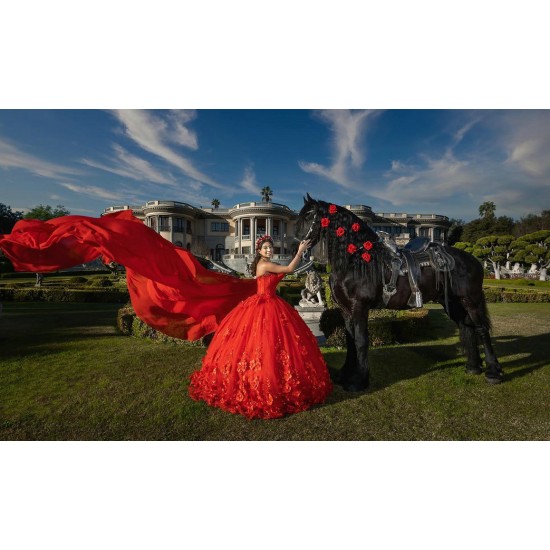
(308, 225)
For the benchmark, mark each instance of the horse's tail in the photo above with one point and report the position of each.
(484, 314)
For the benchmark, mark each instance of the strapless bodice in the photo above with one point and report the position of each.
(267, 283)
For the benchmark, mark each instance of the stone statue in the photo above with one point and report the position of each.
(517, 269)
(311, 295)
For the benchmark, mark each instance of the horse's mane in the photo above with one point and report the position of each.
(341, 261)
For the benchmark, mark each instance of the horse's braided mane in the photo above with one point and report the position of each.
(341, 261)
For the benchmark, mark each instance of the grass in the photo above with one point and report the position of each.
(66, 374)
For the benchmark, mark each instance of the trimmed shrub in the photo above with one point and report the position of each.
(523, 296)
(101, 282)
(77, 280)
(130, 324)
(62, 295)
(385, 326)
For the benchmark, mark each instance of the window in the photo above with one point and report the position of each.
(437, 233)
(188, 229)
(164, 223)
(153, 223)
(219, 227)
(424, 232)
(178, 225)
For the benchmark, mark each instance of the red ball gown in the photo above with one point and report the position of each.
(263, 361)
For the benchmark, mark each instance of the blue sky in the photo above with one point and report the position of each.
(416, 161)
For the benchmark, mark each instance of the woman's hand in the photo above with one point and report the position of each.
(303, 246)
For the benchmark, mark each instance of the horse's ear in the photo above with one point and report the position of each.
(305, 200)
(309, 199)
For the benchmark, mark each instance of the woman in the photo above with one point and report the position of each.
(263, 361)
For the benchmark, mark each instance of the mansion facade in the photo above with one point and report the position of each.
(228, 235)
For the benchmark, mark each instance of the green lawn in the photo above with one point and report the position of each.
(65, 373)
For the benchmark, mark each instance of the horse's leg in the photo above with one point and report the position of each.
(350, 364)
(467, 332)
(357, 372)
(480, 316)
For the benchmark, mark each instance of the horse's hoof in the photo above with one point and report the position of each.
(494, 379)
(474, 370)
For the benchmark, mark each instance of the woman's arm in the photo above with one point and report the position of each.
(271, 267)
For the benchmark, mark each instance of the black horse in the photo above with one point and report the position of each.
(363, 277)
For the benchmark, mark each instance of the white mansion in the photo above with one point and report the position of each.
(228, 234)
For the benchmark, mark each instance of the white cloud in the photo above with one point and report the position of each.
(155, 135)
(532, 156)
(349, 128)
(130, 166)
(249, 183)
(11, 157)
(93, 191)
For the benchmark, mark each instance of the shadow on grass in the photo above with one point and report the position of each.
(519, 356)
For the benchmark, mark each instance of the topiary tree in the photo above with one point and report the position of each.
(463, 245)
(534, 249)
(495, 249)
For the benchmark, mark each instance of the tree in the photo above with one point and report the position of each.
(485, 227)
(532, 223)
(8, 218)
(487, 210)
(46, 212)
(215, 203)
(534, 249)
(466, 246)
(495, 249)
(455, 231)
(267, 193)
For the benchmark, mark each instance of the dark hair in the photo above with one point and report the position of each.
(254, 263)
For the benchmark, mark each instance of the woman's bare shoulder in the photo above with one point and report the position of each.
(270, 267)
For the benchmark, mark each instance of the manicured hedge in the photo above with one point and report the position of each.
(131, 325)
(495, 295)
(385, 326)
(62, 295)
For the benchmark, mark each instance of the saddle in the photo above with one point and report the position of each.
(410, 259)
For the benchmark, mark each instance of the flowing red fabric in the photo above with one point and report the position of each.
(169, 289)
(263, 361)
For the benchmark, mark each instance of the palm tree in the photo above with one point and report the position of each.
(487, 210)
(266, 194)
(215, 203)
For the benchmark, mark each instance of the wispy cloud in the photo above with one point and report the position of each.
(12, 157)
(159, 136)
(93, 191)
(526, 138)
(249, 183)
(130, 166)
(348, 128)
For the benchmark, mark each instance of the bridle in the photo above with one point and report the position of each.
(313, 223)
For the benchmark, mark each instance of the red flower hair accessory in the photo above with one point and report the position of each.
(367, 245)
(332, 209)
(325, 222)
(366, 256)
(352, 249)
(262, 240)
(340, 231)
(355, 227)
